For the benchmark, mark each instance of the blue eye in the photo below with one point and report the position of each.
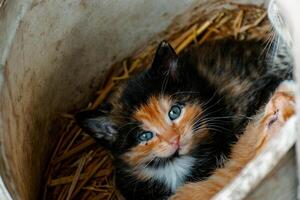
(174, 112)
(145, 136)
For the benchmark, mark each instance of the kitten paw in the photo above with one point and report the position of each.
(280, 107)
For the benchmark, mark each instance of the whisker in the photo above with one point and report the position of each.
(125, 139)
(164, 84)
(127, 124)
(184, 92)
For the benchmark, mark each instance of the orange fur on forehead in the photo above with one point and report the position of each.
(153, 112)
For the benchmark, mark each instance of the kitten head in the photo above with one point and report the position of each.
(160, 116)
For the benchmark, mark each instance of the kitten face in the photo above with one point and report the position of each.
(174, 128)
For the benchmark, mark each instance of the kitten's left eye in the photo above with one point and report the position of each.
(145, 136)
(174, 112)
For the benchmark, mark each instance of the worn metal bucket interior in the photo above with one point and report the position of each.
(54, 55)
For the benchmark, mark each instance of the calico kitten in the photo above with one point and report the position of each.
(257, 134)
(177, 121)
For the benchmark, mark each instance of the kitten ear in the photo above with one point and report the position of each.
(97, 124)
(165, 60)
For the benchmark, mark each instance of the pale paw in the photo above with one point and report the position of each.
(280, 108)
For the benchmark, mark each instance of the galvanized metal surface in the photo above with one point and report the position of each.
(52, 57)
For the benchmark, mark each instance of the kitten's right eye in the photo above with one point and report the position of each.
(145, 136)
(174, 112)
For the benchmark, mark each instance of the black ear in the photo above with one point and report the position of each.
(97, 124)
(165, 60)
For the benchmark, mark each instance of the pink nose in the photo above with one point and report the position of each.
(175, 142)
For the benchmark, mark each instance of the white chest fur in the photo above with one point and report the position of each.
(173, 173)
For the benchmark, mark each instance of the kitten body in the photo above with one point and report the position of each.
(177, 121)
